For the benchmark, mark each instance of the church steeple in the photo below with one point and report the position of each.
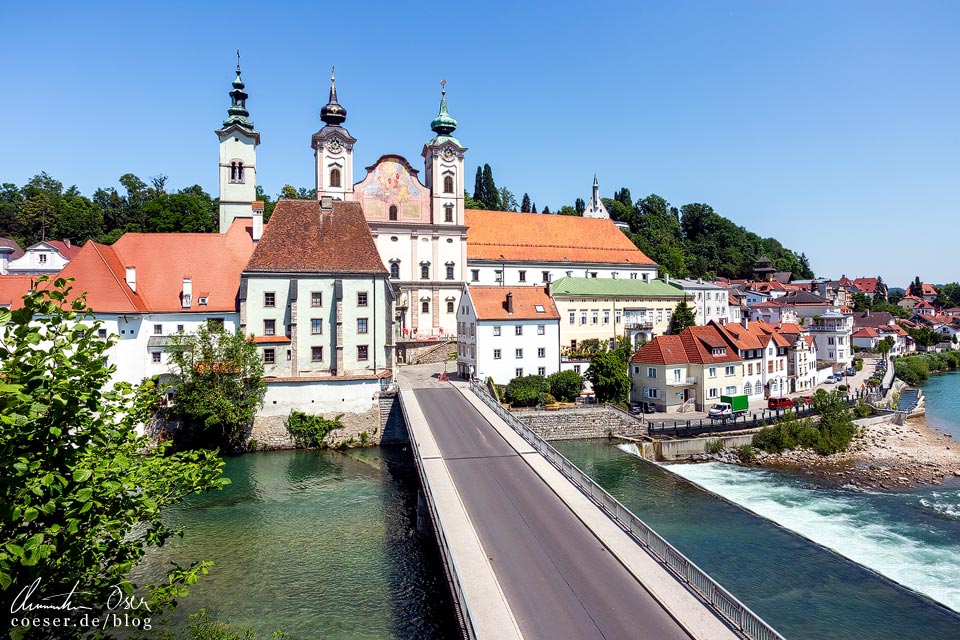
(332, 113)
(595, 208)
(444, 124)
(237, 114)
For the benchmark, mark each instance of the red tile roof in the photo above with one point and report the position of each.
(866, 285)
(212, 261)
(866, 332)
(662, 350)
(69, 252)
(301, 237)
(928, 289)
(537, 237)
(693, 345)
(10, 244)
(490, 303)
(12, 290)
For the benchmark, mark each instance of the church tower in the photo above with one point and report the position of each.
(238, 158)
(333, 150)
(595, 208)
(443, 161)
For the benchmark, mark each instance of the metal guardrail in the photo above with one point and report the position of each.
(731, 609)
(453, 575)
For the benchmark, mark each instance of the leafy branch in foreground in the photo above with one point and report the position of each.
(81, 494)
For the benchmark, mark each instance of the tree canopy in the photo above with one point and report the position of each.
(81, 495)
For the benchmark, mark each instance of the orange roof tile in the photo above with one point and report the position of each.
(490, 303)
(661, 350)
(69, 252)
(12, 290)
(212, 261)
(533, 237)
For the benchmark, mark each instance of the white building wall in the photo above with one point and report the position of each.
(37, 259)
(313, 397)
(488, 273)
(235, 197)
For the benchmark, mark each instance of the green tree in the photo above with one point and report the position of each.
(38, 217)
(608, 375)
(191, 210)
(288, 192)
(533, 208)
(862, 302)
(491, 195)
(525, 391)
(79, 219)
(546, 210)
(567, 210)
(470, 203)
(623, 196)
(565, 385)
(948, 295)
(11, 199)
(478, 192)
(268, 204)
(683, 316)
(916, 288)
(525, 204)
(218, 386)
(884, 346)
(81, 495)
(507, 200)
(895, 295)
(580, 206)
(880, 293)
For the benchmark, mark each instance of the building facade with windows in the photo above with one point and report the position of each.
(507, 332)
(46, 257)
(606, 309)
(709, 301)
(315, 296)
(692, 369)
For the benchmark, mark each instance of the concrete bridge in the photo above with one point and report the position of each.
(534, 549)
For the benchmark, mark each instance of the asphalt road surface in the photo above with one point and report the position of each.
(561, 582)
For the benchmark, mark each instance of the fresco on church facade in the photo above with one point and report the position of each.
(392, 182)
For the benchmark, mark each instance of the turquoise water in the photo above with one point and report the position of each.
(942, 392)
(319, 544)
(803, 590)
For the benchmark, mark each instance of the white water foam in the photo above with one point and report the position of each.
(849, 523)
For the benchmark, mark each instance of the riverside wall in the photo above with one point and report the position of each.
(575, 424)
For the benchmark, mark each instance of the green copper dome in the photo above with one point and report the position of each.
(237, 114)
(444, 124)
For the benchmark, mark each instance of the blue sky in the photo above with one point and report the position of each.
(831, 126)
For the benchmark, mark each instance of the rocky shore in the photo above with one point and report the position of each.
(884, 456)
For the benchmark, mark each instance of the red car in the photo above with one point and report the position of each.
(779, 403)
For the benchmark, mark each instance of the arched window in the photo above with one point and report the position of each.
(449, 306)
(424, 270)
(747, 389)
(448, 213)
(448, 184)
(233, 172)
(334, 177)
(239, 172)
(425, 306)
(393, 212)
(395, 270)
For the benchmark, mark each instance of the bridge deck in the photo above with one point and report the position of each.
(559, 579)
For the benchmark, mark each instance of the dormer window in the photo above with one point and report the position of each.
(393, 212)
(334, 177)
(202, 301)
(719, 351)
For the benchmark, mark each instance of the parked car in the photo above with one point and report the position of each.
(779, 403)
(851, 371)
(804, 399)
(830, 380)
(643, 407)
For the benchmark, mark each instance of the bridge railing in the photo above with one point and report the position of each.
(737, 613)
(453, 576)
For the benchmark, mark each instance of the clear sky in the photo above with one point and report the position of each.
(830, 125)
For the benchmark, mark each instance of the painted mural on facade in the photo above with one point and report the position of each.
(391, 182)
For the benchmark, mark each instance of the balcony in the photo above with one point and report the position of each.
(682, 382)
(634, 326)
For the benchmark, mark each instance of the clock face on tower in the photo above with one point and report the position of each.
(334, 145)
(447, 153)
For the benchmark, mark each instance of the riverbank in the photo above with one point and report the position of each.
(882, 456)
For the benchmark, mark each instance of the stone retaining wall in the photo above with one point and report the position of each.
(269, 432)
(574, 424)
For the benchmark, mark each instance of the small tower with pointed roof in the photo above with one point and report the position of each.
(333, 149)
(238, 158)
(443, 164)
(595, 208)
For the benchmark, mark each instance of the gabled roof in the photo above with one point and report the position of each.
(302, 237)
(6, 244)
(545, 238)
(68, 251)
(804, 297)
(693, 345)
(872, 319)
(866, 285)
(12, 290)
(867, 332)
(213, 262)
(490, 303)
(928, 289)
(610, 287)
(662, 350)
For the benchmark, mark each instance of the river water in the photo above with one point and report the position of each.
(318, 544)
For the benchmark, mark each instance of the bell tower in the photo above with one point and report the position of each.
(333, 150)
(443, 164)
(238, 158)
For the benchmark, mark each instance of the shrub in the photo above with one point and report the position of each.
(309, 431)
(715, 446)
(525, 391)
(842, 387)
(549, 399)
(862, 409)
(746, 453)
(833, 434)
(565, 385)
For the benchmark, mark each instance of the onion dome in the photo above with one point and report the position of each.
(444, 124)
(237, 114)
(332, 113)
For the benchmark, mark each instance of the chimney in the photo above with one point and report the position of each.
(548, 289)
(132, 278)
(66, 241)
(257, 220)
(666, 278)
(326, 203)
(745, 320)
(186, 295)
(509, 303)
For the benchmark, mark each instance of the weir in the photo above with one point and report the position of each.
(535, 549)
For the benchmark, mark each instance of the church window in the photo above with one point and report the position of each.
(394, 269)
(239, 172)
(448, 213)
(425, 306)
(334, 177)
(449, 306)
(393, 212)
(450, 271)
(448, 184)
(424, 270)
